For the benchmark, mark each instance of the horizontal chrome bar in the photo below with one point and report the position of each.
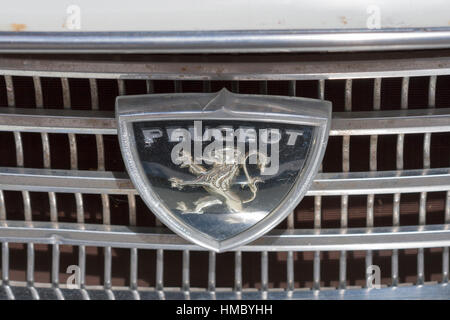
(108, 182)
(230, 67)
(429, 291)
(68, 181)
(391, 122)
(379, 238)
(57, 121)
(343, 123)
(240, 41)
(381, 182)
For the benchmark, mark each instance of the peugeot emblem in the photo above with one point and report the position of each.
(222, 169)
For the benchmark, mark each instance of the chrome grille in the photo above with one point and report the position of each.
(382, 197)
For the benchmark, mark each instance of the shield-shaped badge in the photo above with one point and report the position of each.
(221, 169)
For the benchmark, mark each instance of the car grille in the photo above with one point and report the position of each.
(381, 198)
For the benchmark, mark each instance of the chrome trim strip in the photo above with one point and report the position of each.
(108, 182)
(239, 41)
(57, 121)
(381, 182)
(429, 120)
(69, 181)
(390, 122)
(428, 291)
(379, 238)
(230, 67)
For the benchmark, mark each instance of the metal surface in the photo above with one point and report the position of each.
(343, 123)
(108, 182)
(240, 41)
(277, 240)
(57, 121)
(231, 67)
(430, 291)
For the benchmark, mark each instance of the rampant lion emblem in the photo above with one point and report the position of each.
(217, 180)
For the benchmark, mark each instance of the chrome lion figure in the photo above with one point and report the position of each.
(217, 180)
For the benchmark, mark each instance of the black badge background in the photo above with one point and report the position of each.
(217, 222)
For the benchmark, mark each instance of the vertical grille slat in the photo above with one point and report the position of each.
(107, 250)
(2, 206)
(186, 272)
(39, 101)
(5, 271)
(445, 253)
(344, 198)
(318, 208)
(264, 255)
(51, 195)
(80, 207)
(160, 271)
(399, 166)
(423, 195)
(290, 272)
(107, 284)
(238, 272)
(133, 268)
(98, 137)
(30, 271)
(134, 251)
(55, 271)
(212, 272)
(82, 266)
(264, 271)
(372, 167)
(72, 137)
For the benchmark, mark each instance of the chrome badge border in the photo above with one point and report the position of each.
(211, 106)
